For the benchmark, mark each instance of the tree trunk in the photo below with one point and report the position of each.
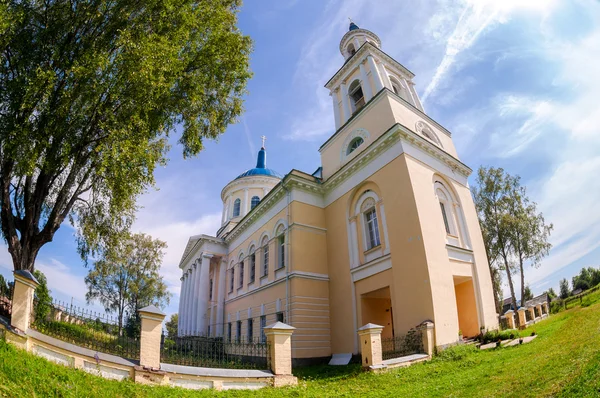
(512, 289)
(522, 281)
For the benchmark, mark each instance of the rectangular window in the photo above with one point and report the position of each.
(280, 317)
(241, 282)
(266, 260)
(252, 267)
(210, 289)
(229, 331)
(232, 274)
(445, 217)
(263, 325)
(250, 331)
(281, 244)
(372, 229)
(208, 331)
(239, 331)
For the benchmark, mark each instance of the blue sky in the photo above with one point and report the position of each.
(517, 83)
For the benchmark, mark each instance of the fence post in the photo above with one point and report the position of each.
(370, 345)
(428, 337)
(546, 309)
(22, 300)
(522, 319)
(510, 318)
(279, 338)
(151, 329)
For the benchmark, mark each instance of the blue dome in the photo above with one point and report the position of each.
(261, 167)
(353, 26)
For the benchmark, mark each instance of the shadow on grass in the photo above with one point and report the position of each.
(328, 372)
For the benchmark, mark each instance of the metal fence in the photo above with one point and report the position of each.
(6, 294)
(89, 329)
(214, 352)
(399, 346)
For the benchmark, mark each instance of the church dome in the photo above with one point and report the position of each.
(261, 167)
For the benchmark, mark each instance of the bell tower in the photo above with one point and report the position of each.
(366, 71)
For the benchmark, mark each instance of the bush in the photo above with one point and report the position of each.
(494, 335)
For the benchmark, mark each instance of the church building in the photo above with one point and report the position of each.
(385, 231)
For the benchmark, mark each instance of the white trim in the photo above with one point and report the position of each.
(356, 133)
(371, 268)
(460, 254)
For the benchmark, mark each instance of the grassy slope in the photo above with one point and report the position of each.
(563, 361)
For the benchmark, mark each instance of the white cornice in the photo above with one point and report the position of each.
(346, 37)
(244, 181)
(362, 52)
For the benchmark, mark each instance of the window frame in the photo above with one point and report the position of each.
(359, 103)
(241, 274)
(255, 201)
(238, 331)
(250, 329)
(252, 263)
(373, 236)
(351, 148)
(263, 325)
(265, 257)
(237, 206)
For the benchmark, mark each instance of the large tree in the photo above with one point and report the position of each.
(89, 92)
(172, 326)
(492, 196)
(528, 230)
(564, 288)
(126, 277)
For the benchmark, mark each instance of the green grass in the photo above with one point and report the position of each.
(563, 361)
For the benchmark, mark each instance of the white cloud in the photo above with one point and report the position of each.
(476, 17)
(176, 235)
(62, 279)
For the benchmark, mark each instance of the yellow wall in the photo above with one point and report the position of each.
(467, 309)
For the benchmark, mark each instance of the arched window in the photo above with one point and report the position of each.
(356, 95)
(451, 216)
(241, 272)
(426, 131)
(254, 202)
(369, 211)
(236, 207)
(351, 50)
(252, 261)
(355, 143)
(280, 246)
(399, 89)
(265, 246)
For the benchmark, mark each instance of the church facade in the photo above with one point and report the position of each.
(384, 232)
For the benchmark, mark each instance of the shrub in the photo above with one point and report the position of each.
(494, 335)
(456, 353)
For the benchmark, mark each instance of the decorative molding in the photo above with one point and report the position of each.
(373, 267)
(425, 130)
(356, 133)
(344, 42)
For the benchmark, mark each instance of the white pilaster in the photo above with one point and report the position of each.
(366, 87)
(246, 202)
(336, 109)
(353, 244)
(386, 77)
(221, 295)
(375, 73)
(345, 103)
(356, 43)
(203, 288)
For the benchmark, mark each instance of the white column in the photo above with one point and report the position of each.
(265, 192)
(221, 295)
(336, 108)
(184, 298)
(415, 97)
(356, 43)
(366, 86)
(386, 77)
(246, 202)
(345, 103)
(190, 299)
(203, 287)
(194, 295)
(354, 259)
(375, 73)
(179, 314)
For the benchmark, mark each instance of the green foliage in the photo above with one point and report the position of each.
(561, 362)
(133, 325)
(551, 294)
(495, 335)
(528, 294)
(564, 288)
(587, 278)
(90, 92)
(126, 278)
(43, 300)
(172, 325)
(456, 353)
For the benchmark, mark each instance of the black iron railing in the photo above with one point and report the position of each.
(503, 323)
(6, 294)
(85, 328)
(399, 346)
(528, 317)
(214, 352)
